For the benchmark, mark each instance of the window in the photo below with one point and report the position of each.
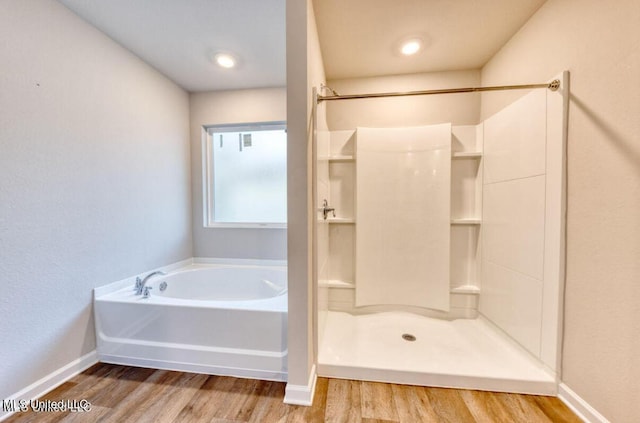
(246, 175)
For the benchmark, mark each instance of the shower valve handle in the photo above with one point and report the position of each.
(326, 209)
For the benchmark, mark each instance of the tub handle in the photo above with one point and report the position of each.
(138, 284)
(146, 293)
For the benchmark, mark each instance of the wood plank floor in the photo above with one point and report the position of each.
(130, 394)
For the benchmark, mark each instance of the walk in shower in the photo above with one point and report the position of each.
(442, 260)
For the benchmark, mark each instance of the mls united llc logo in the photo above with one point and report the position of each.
(45, 406)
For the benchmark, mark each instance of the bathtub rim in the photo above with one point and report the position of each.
(130, 281)
(277, 304)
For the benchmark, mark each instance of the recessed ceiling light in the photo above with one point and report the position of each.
(225, 60)
(411, 47)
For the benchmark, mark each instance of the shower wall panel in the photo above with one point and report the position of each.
(514, 219)
(513, 261)
(403, 216)
(514, 223)
(515, 140)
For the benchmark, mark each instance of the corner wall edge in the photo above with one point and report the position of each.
(301, 394)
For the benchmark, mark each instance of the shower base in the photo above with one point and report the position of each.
(463, 353)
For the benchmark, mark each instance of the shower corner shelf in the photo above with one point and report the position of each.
(335, 283)
(466, 289)
(338, 158)
(343, 220)
(466, 221)
(466, 155)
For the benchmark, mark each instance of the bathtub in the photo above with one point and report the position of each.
(204, 318)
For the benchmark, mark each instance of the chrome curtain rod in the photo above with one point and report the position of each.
(553, 86)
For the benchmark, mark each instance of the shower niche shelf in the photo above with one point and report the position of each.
(466, 221)
(337, 158)
(466, 209)
(466, 155)
(341, 220)
(466, 289)
(345, 158)
(335, 283)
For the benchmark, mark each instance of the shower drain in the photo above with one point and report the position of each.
(408, 337)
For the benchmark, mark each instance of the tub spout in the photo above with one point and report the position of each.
(140, 284)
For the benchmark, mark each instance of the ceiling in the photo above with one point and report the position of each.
(179, 38)
(361, 37)
(358, 37)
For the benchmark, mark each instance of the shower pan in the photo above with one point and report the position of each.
(478, 306)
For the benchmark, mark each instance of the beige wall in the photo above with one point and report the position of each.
(224, 107)
(94, 181)
(299, 251)
(320, 247)
(315, 77)
(303, 52)
(599, 43)
(459, 109)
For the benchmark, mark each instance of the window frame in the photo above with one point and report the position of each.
(208, 173)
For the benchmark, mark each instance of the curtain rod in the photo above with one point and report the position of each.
(553, 86)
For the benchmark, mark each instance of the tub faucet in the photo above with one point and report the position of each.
(140, 283)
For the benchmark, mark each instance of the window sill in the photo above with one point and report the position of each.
(246, 226)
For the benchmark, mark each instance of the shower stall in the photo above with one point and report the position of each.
(439, 249)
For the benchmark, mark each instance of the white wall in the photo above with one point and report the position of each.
(224, 107)
(599, 43)
(459, 109)
(94, 181)
(303, 52)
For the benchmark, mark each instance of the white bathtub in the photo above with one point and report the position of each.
(210, 318)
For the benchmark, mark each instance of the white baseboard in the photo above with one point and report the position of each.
(579, 406)
(301, 394)
(53, 380)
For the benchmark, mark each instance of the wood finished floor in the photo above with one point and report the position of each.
(130, 394)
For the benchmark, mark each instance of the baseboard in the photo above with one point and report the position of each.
(579, 406)
(52, 380)
(301, 394)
